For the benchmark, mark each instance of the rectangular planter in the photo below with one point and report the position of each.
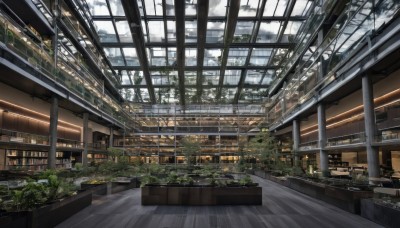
(49, 215)
(268, 176)
(383, 215)
(167, 195)
(345, 199)
(96, 189)
(119, 186)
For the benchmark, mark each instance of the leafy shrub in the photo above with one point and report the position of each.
(149, 179)
(186, 180)
(245, 180)
(31, 196)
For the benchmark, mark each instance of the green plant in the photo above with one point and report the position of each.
(264, 148)
(245, 180)
(31, 196)
(185, 180)
(172, 178)
(190, 149)
(149, 179)
(52, 187)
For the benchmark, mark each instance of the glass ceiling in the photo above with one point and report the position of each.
(227, 57)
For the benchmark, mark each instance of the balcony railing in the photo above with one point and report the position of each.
(391, 136)
(308, 145)
(347, 139)
(40, 59)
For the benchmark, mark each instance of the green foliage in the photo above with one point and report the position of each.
(264, 148)
(53, 184)
(149, 179)
(115, 153)
(296, 171)
(114, 169)
(31, 196)
(359, 179)
(78, 166)
(190, 149)
(48, 172)
(155, 169)
(245, 180)
(172, 178)
(186, 180)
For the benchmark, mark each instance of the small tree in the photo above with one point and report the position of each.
(115, 153)
(190, 150)
(264, 148)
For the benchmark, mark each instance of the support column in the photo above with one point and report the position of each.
(370, 127)
(296, 141)
(85, 138)
(322, 140)
(111, 139)
(51, 158)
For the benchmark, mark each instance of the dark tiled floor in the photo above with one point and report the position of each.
(282, 207)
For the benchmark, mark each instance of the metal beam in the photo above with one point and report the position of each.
(195, 86)
(89, 30)
(212, 18)
(206, 45)
(252, 40)
(133, 16)
(180, 48)
(233, 12)
(202, 13)
(193, 68)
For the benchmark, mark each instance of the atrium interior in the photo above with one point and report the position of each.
(285, 88)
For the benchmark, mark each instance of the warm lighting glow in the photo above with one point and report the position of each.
(38, 113)
(30, 118)
(357, 108)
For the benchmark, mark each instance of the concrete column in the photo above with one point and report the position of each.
(51, 158)
(85, 138)
(370, 127)
(296, 141)
(322, 139)
(111, 143)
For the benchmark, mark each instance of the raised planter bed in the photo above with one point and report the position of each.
(171, 195)
(48, 215)
(268, 176)
(97, 189)
(124, 184)
(343, 198)
(379, 213)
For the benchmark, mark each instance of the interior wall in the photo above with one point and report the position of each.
(384, 86)
(25, 100)
(396, 161)
(350, 157)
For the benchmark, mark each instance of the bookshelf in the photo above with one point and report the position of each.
(35, 160)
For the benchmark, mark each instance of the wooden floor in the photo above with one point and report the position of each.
(282, 207)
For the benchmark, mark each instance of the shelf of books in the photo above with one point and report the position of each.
(35, 160)
(97, 157)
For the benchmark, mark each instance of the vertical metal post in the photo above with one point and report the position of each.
(85, 138)
(322, 139)
(370, 127)
(51, 158)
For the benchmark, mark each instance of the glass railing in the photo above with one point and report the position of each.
(22, 137)
(34, 139)
(357, 20)
(96, 57)
(69, 143)
(14, 38)
(346, 139)
(388, 136)
(308, 146)
(308, 30)
(97, 146)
